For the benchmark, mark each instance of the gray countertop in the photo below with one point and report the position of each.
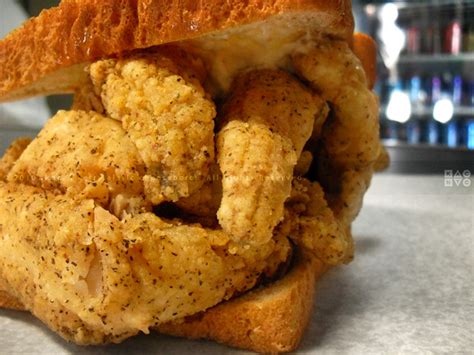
(410, 288)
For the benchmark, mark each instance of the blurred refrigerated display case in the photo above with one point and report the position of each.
(425, 81)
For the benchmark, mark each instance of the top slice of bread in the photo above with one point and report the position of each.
(48, 53)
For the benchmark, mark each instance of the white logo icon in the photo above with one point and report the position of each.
(456, 178)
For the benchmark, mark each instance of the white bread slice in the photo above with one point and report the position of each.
(48, 53)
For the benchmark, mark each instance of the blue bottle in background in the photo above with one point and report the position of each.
(450, 134)
(432, 128)
(471, 94)
(432, 134)
(393, 128)
(413, 131)
(415, 89)
(450, 130)
(435, 89)
(469, 133)
(457, 90)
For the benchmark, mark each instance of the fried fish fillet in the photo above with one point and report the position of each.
(159, 100)
(313, 225)
(84, 155)
(95, 279)
(266, 122)
(206, 201)
(350, 142)
(86, 99)
(346, 194)
(11, 156)
(304, 163)
(352, 136)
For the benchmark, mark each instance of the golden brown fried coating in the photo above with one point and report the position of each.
(383, 160)
(319, 122)
(84, 155)
(94, 279)
(85, 99)
(266, 123)
(304, 163)
(11, 155)
(161, 104)
(312, 224)
(206, 201)
(346, 193)
(352, 137)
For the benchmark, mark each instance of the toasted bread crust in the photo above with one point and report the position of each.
(60, 41)
(271, 319)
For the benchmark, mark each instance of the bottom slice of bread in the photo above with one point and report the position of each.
(272, 318)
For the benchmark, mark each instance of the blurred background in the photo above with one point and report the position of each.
(425, 80)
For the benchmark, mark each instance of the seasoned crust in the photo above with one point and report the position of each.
(48, 53)
(8, 301)
(268, 320)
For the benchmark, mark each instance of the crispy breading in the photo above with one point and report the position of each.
(304, 163)
(345, 191)
(84, 155)
(352, 136)
(312, 224)
(161, 104)
(206, 201)
(318, 125)
(350, 142)
(265, 125)
(383, 160)
(95, 279)
(86, 99)
(11, 155)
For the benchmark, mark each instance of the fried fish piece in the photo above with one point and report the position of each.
(350, 142)
(265, 125)
(304, 163)
(346, 190)
(383, 160)
(96, 279)
(84, 155)
(312, 224)
(11, 155)
(158, 98)
(86, 99)
(352, 136)
(206, 201)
